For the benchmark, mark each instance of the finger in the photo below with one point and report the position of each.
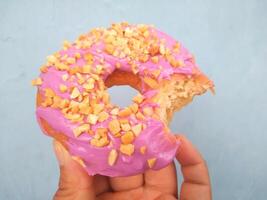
(164, 180)
(126, 183)
(74, 182)
(130, 194)
(166, 197)
(101, 184)
(196, 183)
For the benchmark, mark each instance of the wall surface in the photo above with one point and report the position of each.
(229, 40)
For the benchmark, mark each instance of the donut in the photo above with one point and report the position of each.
(73, 104)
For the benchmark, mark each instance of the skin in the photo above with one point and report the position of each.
(76, 184)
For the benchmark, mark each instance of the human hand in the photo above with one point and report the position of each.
(76, 184)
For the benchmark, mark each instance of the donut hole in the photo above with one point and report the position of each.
(126, 87)
(122, 95)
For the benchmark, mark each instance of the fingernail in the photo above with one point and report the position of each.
(61, 153)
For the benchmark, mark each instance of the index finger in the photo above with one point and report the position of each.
(196, 183)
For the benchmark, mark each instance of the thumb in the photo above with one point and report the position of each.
(74, 182)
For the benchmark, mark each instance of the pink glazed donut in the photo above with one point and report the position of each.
(73, 104)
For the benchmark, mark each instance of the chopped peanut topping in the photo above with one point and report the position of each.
(81, 129)
(77, 55)
(103, 116)
(156, 73)
(44, 69)
(47, 102)
(146, 34)
(73, 117)
(89, 85)
(92, 119)
(143, 58)
(127, 149)
(138, 98)
(105, 98)
(112, 157)
(134, 107)
(49, 92)
(65, 77)
(89, 58)
(51, 59)
(98, 108)
(155, 59)
(71, 60)
(125, 112)
(99, 142)
(63, 88)
(56, 102)
(102, 131)
(140, 116)
(151, 162)
(137, 129)
(143, 149)
(114, 111)
(61, 66)
(86, 69)
(64, 103)
(84, 108)
(162, 49)
(148, 111)
(151, 82)
(114, 126)
(125, 127)
(66, 44)
(109, 49)
(123, 121)
(127, 138)
(154, 50)
(75, 93)
(37, 81)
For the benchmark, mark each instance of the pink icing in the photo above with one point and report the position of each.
(159, 144)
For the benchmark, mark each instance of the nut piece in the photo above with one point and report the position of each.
(127, 149)
(98, 108)
(138, 98)
(125, 112)
(127, 138)
(114, 111)
(92, 119)
(112, 157)
(37, 81)
(140, 116)
(137, 129)
(65, 77)
(75, 93)
(81, 129)
(103, 116)
(151, 162)
(155, 59)
(49, 92)
(63, 88)
(134, 107)
(114, 126)
(148, 111)
(143, 149)
(125, 127)
(151, 82)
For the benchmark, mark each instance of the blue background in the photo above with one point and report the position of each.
(229, 40)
